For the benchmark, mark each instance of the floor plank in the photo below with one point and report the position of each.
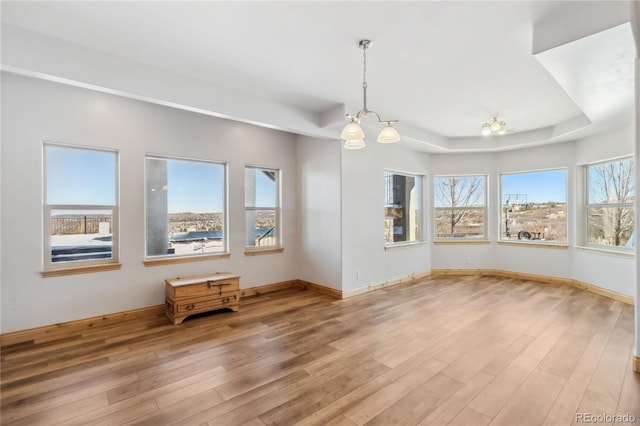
(439, 350)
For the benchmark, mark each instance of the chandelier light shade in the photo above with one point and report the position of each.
(388, 134)
(494, 127)
(352, 133)
(354, 144)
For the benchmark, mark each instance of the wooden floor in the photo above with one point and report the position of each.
(442, 350)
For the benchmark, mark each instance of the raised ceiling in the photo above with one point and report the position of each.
(554, 71)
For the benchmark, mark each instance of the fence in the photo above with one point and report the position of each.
(78, 224)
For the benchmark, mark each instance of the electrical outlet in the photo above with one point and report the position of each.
(468, 260)
(358, 275)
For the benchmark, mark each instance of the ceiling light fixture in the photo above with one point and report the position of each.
(352, 133)
(495, 127)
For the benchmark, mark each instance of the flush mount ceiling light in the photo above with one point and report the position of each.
(495, 127)
(352, 134)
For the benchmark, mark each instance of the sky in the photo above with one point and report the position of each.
(539, 187)
(78, 176)
(82, 176)
(195, 187)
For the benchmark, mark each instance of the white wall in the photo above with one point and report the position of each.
(319, 212)
(466, 256)
(332, 204)
(363, 216)
(613, 272)
(35, 110)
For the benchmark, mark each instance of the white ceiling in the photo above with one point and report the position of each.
(442, 68)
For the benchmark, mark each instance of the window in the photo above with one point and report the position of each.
(185, 207)
(262, 207)
(534, 206)
(610, 195)
(402, 208)
(460, 207)
(80, 206)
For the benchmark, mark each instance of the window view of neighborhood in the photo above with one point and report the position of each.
(80, 205)
(402, 208)
(185, 207)
(534, 206)
(261, 189)
(460, 206)
(610, 197)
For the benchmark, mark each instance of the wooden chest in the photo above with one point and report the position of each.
(194, 294)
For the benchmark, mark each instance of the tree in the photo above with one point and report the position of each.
(613, 184)
(456, 193)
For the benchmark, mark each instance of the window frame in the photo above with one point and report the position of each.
(278, 246)
(533, 242)
(420, 238)
(484, 208)
(588, 206)
(165, 259)
(79, 266)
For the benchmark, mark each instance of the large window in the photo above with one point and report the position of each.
(402, 208)
(610, 195)
(185, 207)
(262, 207)
(460, 203)
(80, 206)
(534, 206)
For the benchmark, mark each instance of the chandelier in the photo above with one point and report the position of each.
(352, 134)
(495, 127)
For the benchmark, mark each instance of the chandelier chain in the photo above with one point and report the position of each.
(364, 77)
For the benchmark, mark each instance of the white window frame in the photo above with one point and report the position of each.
(277, 209)
(483, 208)
(48, 265)
(588, 206)
(420, 179)
(179, 258)
(533, 241)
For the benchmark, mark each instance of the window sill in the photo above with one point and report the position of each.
(604, 251)
(259, 252)
(89, 269)
(537, 245)
(404, 245)
(461, 241)
(185, 259)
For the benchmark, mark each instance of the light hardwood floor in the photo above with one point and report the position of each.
(441, 350)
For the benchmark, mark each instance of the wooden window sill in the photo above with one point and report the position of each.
(404, 245)
(89, 269)
(461, 241)
(185, 259)
(537, 245)
(259, 252)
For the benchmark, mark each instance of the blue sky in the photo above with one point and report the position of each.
(76, 176)
(195, 187)
(539, 187)
(79, 176)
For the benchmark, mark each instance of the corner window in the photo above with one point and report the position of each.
(80, 206)
(262, 207)
(534, 206)
(402, 212)
(609, 197)
(185, 207)
(460, 207)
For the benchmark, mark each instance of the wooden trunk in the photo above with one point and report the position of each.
(195, 294)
